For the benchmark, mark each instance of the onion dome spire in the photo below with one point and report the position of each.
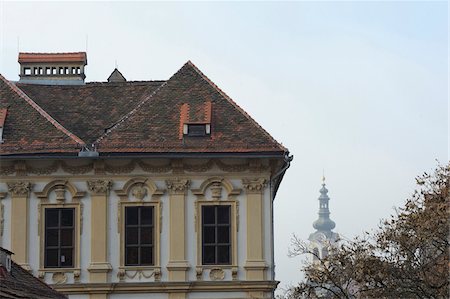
(324, 223)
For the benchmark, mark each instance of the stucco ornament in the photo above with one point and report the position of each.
(254, 185)
(177, 186)
(139, 192)
(99, 186)
(216, 190)
(59, 277)
(216, 274)
(19, 188)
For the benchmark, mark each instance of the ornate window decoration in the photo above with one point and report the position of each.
(216, 224)
(60, 227)
(139, 225)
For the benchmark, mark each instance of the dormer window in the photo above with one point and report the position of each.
(197, 130)
(2, 122)
(195, 120)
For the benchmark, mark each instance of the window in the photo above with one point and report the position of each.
(216, 235)
(139, 236)
(27, 71)
(59, 237)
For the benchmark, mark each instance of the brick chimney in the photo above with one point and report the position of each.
(53, 68)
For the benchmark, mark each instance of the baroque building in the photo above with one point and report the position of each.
(149, 189)
(323, 238)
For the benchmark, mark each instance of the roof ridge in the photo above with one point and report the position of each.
(41, 111)
(126, 116)
(230, 100)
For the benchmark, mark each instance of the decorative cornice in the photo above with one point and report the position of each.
(167, 286)
(178, 185)
(254, 185)
(76, 169)
(99, 186)
(20, 188)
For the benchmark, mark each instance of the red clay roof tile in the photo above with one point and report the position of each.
(53, 57)
(2, 117)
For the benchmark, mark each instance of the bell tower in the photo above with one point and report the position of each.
(323, 237)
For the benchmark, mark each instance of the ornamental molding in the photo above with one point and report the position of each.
(123, 273)
(59, 277)
(139, 188)
(255, 185)
(216, 274)
(60, 187)
(19, 188)
(178, 186)
(176, 166)
(99, 187)
(216, 184)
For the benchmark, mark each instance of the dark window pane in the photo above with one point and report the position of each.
(146, 235)
(209, 234)
(223, 254)
(208, 215)
(223, 234)
(51, 217)
(131, 236)
(131, 215)
(51, 237)
(197, 130)
(51, 258)
(223, 214)
(66, 257)
(67, 217)
(131, 255)
(209, 255)
(146, 215)
(146, 256)
(66, 237)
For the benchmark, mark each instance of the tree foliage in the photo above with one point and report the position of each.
(406, 257)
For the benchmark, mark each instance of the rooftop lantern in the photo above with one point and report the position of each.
(53, 68)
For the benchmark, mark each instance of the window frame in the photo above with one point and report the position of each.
(216, 244)
(156, 233)
(76, 235)
(59, 228)
(234, 227)
(139, 226)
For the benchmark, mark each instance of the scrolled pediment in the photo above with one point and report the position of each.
(138, 188)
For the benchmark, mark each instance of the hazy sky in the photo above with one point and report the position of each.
(359, 89)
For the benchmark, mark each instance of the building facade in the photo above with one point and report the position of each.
(149, 189)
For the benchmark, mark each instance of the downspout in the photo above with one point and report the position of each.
(287, 163)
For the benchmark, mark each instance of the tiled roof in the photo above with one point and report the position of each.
(28, 128)
(53, 57)
(135, 117)
(3, 116)
(20, 284)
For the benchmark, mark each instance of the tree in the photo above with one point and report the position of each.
(406, 257)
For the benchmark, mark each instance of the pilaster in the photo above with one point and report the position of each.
(99, 266)
(255, 264)
(178, 265)
(20, 191)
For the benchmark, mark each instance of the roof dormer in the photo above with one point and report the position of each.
(2, 122)
(5, 259)
(53, 68)
(196, 121)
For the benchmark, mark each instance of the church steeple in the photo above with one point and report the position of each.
(324, 223)
(323, 237)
